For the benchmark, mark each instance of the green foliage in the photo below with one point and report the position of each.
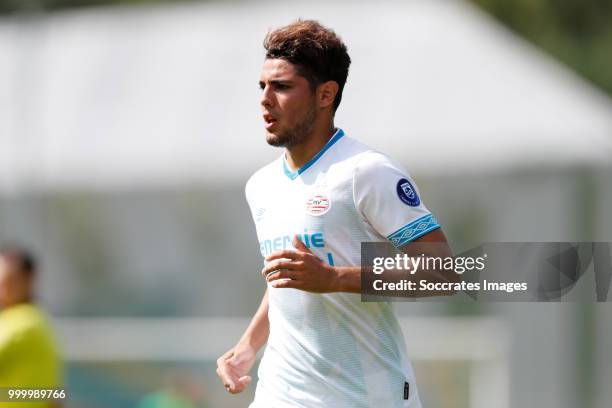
(577, 32)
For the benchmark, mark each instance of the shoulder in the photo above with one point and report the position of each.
(363, 156)
(24, 320)
(262, 177)
(364, 162)
(372, 163)
(352, 152)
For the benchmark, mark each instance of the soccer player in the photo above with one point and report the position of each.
(313, 207)
(28, 354)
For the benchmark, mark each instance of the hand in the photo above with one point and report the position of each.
(299, 269)
(233, 367)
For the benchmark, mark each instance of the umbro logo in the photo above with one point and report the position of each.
(259, 214)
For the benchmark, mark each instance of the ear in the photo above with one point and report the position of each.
(327, 93)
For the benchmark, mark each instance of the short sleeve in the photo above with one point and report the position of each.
(388, 199)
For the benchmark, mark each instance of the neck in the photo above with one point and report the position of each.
(298, 155)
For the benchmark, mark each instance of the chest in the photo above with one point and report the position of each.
(311, 211)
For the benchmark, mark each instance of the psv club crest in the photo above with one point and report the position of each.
(318, 204)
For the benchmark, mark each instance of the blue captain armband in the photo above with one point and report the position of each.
(414, 230)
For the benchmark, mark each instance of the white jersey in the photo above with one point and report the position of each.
(332, 350)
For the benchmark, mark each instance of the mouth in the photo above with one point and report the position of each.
(269, 121)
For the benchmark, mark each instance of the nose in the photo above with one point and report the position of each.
(266, 97)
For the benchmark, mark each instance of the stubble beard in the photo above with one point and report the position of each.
(296, 135)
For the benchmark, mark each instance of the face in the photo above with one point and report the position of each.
(288, 104)
(14, 287)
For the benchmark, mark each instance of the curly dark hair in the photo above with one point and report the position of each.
(317, 52)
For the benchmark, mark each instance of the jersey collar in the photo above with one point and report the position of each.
(293, 174)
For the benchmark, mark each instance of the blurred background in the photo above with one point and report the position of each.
(129, 128)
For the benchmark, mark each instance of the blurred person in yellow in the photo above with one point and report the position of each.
(29, 357)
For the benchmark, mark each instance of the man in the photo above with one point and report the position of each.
(28, 354)
(313, 207)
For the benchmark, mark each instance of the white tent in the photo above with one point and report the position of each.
(123, 96)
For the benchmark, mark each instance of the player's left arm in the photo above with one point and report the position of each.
(432, 244)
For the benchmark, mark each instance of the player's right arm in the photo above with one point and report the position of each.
(233, 366)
